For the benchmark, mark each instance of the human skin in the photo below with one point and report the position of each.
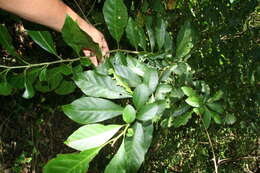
(52, 13)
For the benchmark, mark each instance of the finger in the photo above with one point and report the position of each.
(93, 59)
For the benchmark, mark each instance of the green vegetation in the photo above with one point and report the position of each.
(178, 93)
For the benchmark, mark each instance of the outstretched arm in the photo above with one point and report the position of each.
(52, 13)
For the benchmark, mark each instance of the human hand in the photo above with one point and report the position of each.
(97, 37)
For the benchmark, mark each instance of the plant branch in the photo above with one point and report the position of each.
(211, 146)
(126, 51)
(40, 64)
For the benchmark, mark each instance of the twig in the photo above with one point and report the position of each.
(211, 146)
(126, 51)
(40, 64)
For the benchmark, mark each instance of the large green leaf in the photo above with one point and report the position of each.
(185, 40)
(128, 75)
(182, 119)
(182, 109)
(216, 107)
(150, 32)
(217, 96)
(162, 91)
(90, 110)
(194, 101)
(115, 14)
(44, 40)
(151, 79)
(78, 39)
(137, 145)
(6, 40)
(141, 95)
(71, 163)
(149, 111)
(207, 117)
(93, 84)
(53, 79)
(188, 91)
(160, 31)
(118, 162)
(91, 136)
(136, 66)
(66, 87)
(132, 33)
(5, 89)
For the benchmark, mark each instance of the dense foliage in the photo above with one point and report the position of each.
(181, 82)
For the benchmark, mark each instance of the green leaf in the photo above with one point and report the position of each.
(118, 162)
(216, 107)
(116, 17)
(168, 45)
(230, 119)
(162, 91)
(5, 89)
(199, 111)
(137, 145)
(131, 33)
(6, 40)
(80, 38)
(128, 75)
(160, 31)
(129, 114)
(206, 117)
(217, 96)
(91, 110)
(28, 85)
(185, 40)
(91, 136)
(149, 111)
(93, 84)
(182, 109)
(141, 95)
(136, 66)
(43, 75)
(66, 87)
(150, 32)
(16, 81)
(188, 91)
(54, 78)
(182, 119)
(44, 40)
(216, 117)
(71, 163)
(85, 61)
(151, 79)
(194, 101)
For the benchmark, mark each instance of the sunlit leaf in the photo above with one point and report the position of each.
(91, 136)
(127, 74)
(93, 84)
(90, 110)
(71, 163)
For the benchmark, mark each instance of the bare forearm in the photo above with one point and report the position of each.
(50, 13)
